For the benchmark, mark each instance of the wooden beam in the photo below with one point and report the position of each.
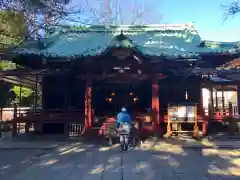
(23, 82)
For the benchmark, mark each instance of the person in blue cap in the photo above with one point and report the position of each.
(124, 123)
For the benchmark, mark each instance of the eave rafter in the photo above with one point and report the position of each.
(234, 64)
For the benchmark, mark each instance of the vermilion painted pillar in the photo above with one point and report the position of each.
(156, 105)
(202, 113)
(238, 98)
(212, 110)
(88, 103)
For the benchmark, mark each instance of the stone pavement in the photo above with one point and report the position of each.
(150, 143)
(107, 163)
(15, 161)
(165, 159)
(191, 143)
(36, 144)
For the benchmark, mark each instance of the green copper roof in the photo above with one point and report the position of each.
(154, 40)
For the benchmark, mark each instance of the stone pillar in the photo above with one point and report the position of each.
(156, 106)
(27, 124)
(88, 103)
(66, 129)
(38, 127)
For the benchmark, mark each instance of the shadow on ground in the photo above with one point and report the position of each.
(92, 158)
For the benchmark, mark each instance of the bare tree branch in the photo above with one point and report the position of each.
(41, 14)
(121, 11)
(231, 9)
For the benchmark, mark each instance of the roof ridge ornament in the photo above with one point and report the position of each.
(121, 32)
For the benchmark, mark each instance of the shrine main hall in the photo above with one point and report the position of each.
(169, 79)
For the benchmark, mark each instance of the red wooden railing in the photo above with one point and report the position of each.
(221, 113)
(52, 115)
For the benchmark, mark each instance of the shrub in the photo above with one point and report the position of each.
(233, 125)
(5, 127)
(216, 126)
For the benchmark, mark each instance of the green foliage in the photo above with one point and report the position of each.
(5, 88)
(7, 65)
(24, 95)
(25, 92)
(13, 28)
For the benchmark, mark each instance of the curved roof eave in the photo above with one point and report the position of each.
(154, 40)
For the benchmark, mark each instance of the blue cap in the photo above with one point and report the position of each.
(123, 109)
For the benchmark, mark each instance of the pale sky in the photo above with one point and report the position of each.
(207, 16)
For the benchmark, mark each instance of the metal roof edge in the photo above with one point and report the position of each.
(147, 27)
(235, 43)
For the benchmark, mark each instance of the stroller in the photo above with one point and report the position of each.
(124, 133)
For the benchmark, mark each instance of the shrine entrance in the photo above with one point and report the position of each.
(123, 77)
(108, 98)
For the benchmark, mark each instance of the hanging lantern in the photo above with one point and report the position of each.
(135, 99)
(109, 100)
